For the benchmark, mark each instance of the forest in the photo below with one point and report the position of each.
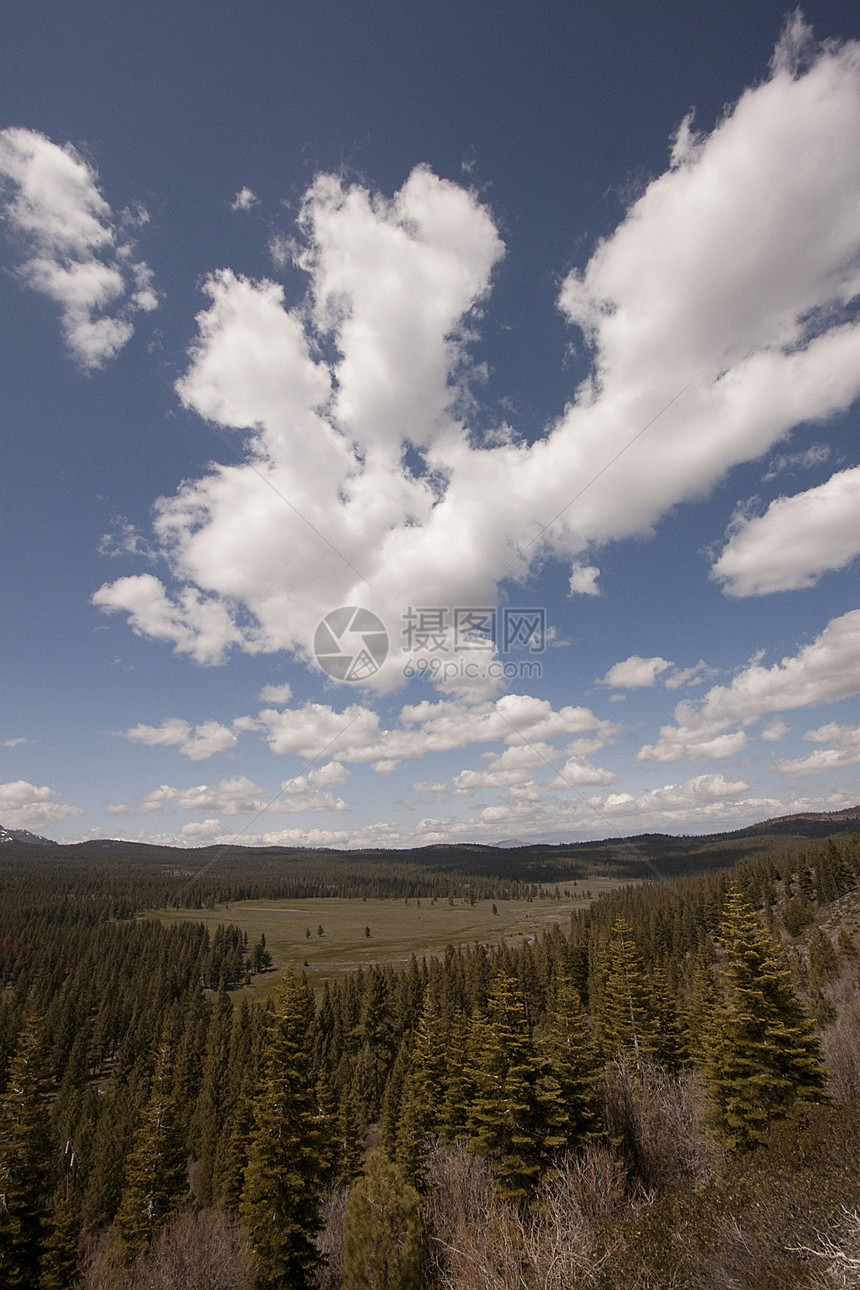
(665, 1093)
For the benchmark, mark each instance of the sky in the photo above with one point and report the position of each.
(427, 423)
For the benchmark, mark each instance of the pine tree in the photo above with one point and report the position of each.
(574, 1065)
(23, 1160)
(287, 1160)
(382, 1231)
(209, 1118)
(702, 1005)
(625, 1017)
(458, 1082)
(764, 1057)
(60, 1254)
(515, 1119)
(155, 1172)
(422, 1093)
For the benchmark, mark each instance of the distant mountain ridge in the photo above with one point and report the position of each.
(24, 835)
(673, 853)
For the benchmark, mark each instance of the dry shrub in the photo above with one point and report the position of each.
(658, 1120)
(330, 1240)
(202, 1251)
(478, 1242)
(102, 1266)
(840, 1048)
(839, 1253)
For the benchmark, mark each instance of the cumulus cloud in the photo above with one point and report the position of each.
(26, 806)
(15, 743)
(635, 672)
(195, 742)
(237, 796)
(824, 671)
(356, 734)
(775, 730)
(244, 200)
(843, 750)
(583, 579)
(718, 314)
(276, 693)
(795, 542)
(75, 250)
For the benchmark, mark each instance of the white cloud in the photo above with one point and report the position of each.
(195, 742)
(583, 579)
(244, 200)
(75, 250)
(200, 832)
(689, 675)
(14, 743)
(331, 775)
(26, 806)
(717, 316)
(579, 771)
(355, 735)
(824, 671)
(635, 672)
(694, 798)
(776, 730)
(795, 542)
(844, 750)
(237, 796)
(815, 455)
(276, 693)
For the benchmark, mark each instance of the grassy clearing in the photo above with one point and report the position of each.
(398, 928)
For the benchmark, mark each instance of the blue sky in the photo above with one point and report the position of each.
(528, 330)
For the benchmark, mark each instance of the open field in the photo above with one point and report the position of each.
(398, 928)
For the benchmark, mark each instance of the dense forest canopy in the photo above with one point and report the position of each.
(555, 1104)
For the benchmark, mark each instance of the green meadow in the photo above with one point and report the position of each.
(398, 928)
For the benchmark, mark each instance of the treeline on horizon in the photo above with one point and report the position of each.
(135, 876)
(605, 1106)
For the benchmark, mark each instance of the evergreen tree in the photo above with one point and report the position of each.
(458, 1081)
(155, 1172)
(702, 1005)
(574, 1065)
(23, 1160)
(515, 1118)
(422, 1093)
(764, 1056)
(625, 1017)
(287, 1161)
(60, 1255)
(382, 1232)
(209, 1119)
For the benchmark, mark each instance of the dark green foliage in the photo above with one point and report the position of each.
(574, 1066)
(764, 1057)
(60, 1250)
(625, 1015)
(108, 984)
(516, 1117)
(383, 1234)
(24, 1146)
(287, 1159)
(155, 1180)
(799, 913)
(823, 963)
(210, 1117)
(421, 1100)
